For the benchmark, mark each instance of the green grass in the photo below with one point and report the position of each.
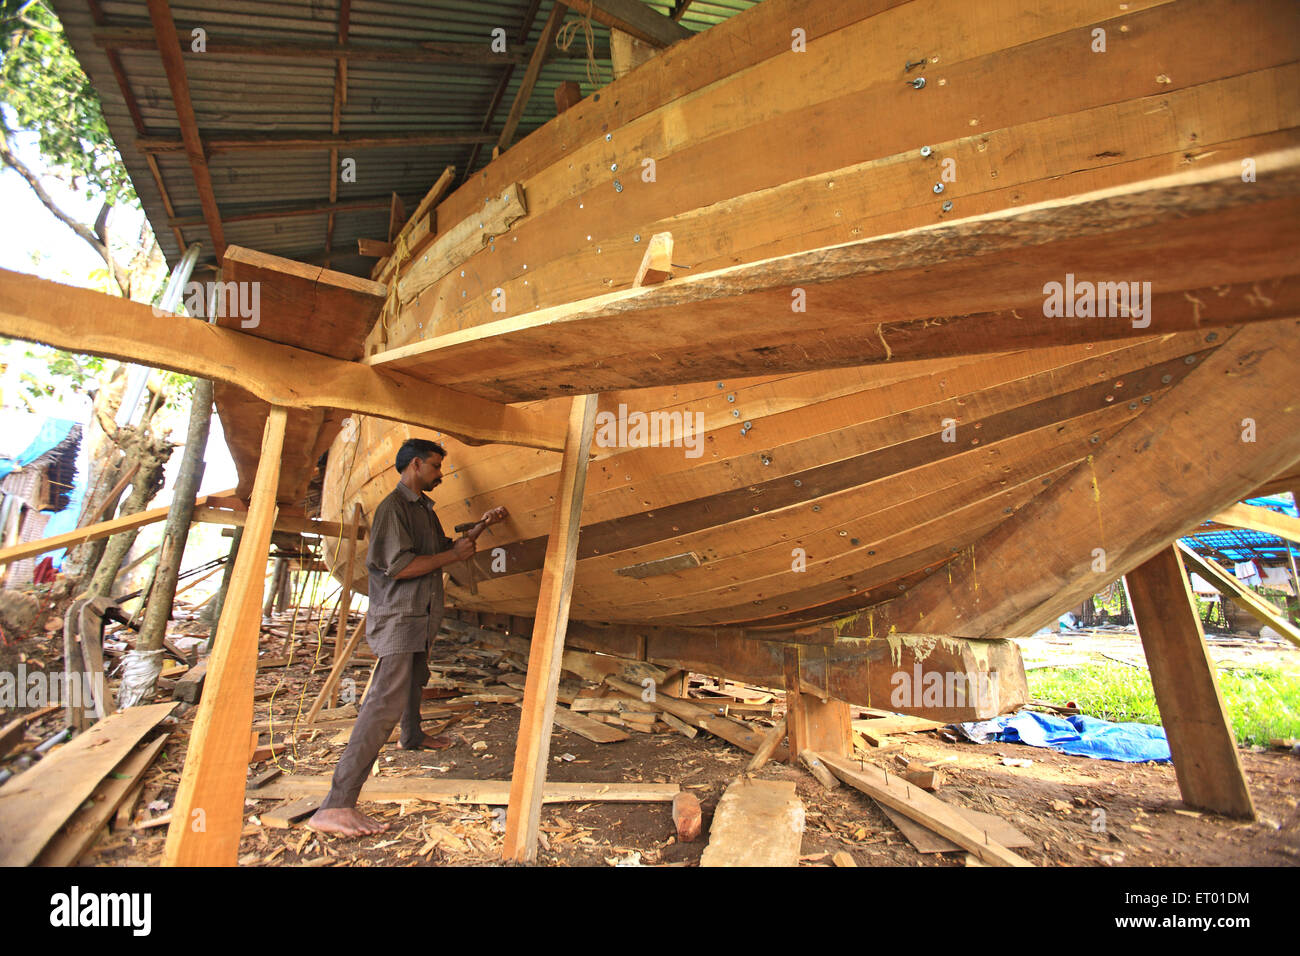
(1262, 702)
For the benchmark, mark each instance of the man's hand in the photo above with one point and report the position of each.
(494, 516)
(463, 549)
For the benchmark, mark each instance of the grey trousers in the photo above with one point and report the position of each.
(395, 693)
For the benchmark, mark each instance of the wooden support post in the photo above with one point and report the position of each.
(209, 811)
(820, 725)
(567, 94)
(532, 750)
(1191, 708)
(345, 596)
(331, 684)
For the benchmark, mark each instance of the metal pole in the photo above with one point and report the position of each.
(138, 376)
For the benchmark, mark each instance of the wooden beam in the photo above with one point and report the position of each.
(1147, 486)
(272, 211)
(116, 38)
(208, 814)
(532, 752)
(535, 62)
(249, 142)
(1264, 520)
(90, 322)
(93, 532)
(169, 50)
(1248, 599)
(1182, 674)
(916, 804)
(955, 288)
(634, 17)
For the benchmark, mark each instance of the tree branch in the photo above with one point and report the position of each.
(9, 158)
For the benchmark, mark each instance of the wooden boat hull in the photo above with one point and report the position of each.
(814, 496)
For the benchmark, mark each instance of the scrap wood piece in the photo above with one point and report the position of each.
(730, 730)
(679, 725)
(593, 730)
(35, 804)
(85, 826)
(927, 841)
(764, 753)
(819, 770)
(896, 724)
(189, 687)
(918, 805)
(757, 823)
(286, 815)
(486, 792)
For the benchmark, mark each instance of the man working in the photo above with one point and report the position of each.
(407, 553)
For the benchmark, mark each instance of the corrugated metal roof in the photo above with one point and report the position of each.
(262, 95)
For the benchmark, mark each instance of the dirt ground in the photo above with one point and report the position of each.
(1053, 800)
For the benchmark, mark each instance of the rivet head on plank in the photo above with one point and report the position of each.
(608, 137)
(637, 237)
(798, 483)
(749, 424)
(735, 413)
(1166, 379)
(947, 205)
(926, 151)
(1094, 439)
(1132, 406)
(731, 397)
(766, 460)
(613, 167)
(938, 188)
(618, 187)
(1212, 337)
(918, 83)
(817, 507)
(844, 534)
(1190, 360)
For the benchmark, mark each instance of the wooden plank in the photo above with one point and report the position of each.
(549, 29)
(93, 323)
(593, 730)
(81, 831)
(756, 823)
(1248, 599)
(293, 524)
(92, 532)
(419, 227)
(39, 801)
(189, 687)
(923, 808)
(208, 813)
(1024, 585)
(761, 756)
(1196, 724)
(1265, 520)
(546, 652)
(286, 815)
(487, 792)
(635, 18)
(458, 243)
(927, 841)
(377, 248)
(973, 285)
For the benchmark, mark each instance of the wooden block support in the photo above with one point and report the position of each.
(345, 596)
(822, 726)
(208, 814)
(523, 814)
(1191, 708)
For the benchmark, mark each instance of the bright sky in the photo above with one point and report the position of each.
(35, 242)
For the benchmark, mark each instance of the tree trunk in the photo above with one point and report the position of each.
(179, 518)
(151, 453)
(274, 592)
(106, 467)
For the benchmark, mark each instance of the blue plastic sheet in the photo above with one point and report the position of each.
(1080, 735)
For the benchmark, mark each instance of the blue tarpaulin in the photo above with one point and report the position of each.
(1080, 735)
(51, 435)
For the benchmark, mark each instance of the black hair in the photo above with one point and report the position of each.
(414, 448)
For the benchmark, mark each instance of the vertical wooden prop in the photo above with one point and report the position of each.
(1191, 708)
(345, 596)
(533, 747)
(814, 724)
(209, 811)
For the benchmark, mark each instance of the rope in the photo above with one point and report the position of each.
(568, 32)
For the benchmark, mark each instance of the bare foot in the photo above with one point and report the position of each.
(345, 821)
(432, 743)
